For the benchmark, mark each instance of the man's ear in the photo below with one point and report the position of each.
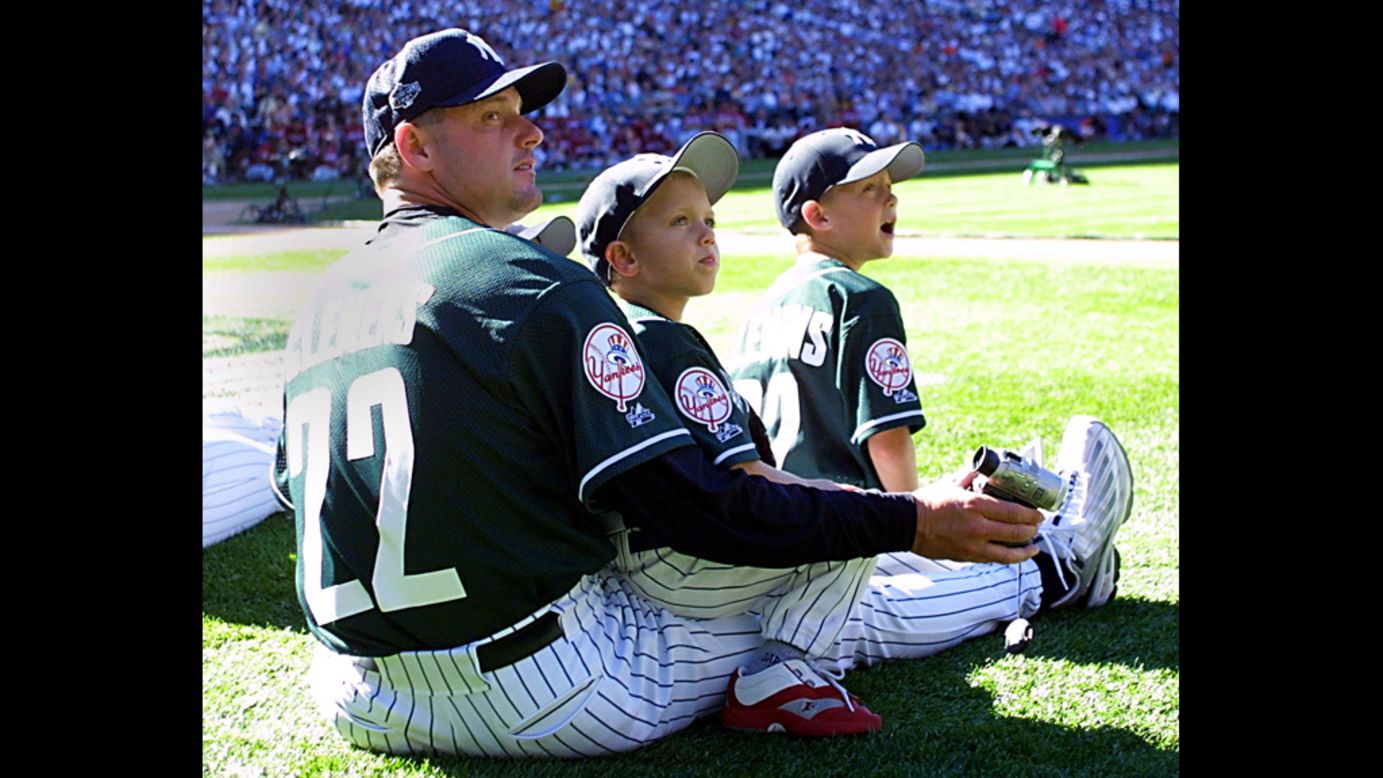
(815, 216)
(621, 259)
(412, 143)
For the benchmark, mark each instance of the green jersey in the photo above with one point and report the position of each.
(455, 395)
(823, 359)
(685, 366)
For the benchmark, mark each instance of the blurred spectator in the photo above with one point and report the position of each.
(285, 76)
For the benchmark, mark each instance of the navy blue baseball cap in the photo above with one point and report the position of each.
(446, 68)
(828, 158)
(612, 198)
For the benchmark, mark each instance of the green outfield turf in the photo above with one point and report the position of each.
(1124, 201)
(755, 172)
(1005, 349)
(1127, 201)
(953, 196)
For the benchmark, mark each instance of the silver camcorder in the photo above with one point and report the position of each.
(1008, 476)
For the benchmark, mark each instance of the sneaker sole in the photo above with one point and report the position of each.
(776, 728)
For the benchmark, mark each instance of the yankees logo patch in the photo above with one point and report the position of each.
(887, 365)
(613, 365)
(702, 397)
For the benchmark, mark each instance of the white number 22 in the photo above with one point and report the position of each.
(308, 425)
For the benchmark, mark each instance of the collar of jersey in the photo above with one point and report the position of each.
(412, 215)
(634, 311)
(801, 272)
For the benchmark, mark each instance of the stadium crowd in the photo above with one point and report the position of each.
(282, 80)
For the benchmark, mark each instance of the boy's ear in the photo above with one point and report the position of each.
(815, 216)
(621, 259)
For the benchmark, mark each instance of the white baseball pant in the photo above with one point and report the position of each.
(845, 614)
(626, 672)
(622, 674)
(238, 451)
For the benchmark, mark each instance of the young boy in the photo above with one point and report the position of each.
(646, 228)
(648, 231)
(823, 357)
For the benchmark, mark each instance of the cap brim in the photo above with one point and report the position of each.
(557, 235)
(711, 157)
(902, 160)
(538, 85)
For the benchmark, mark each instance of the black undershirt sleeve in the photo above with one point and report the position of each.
(681, 500)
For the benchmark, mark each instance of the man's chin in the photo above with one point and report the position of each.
(527, 201)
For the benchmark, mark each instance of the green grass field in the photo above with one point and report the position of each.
(931, 198)
(1007, 349)
(757, 172)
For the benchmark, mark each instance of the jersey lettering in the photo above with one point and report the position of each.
(308, 428)
(373, 317)
(814, 353)
(791, 331)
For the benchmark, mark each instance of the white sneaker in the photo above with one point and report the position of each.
(1099, 499)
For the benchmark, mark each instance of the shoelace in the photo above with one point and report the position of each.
(1020, 631)
(1064, 536)
(833, 677)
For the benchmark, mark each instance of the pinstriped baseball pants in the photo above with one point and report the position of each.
(623, 674)
(845, 614)
(237, 454)
(626, 671)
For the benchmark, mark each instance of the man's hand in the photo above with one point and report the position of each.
(953, 523)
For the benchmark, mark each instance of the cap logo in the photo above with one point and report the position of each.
(613, 365)
(483, 47)
(403, 95)
(888, 365)
(859, 138)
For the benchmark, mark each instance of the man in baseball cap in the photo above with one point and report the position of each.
(447, 68)
(447, 103)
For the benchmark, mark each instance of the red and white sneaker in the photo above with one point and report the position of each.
(793, 697)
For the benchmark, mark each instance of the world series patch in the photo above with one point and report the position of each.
(613, 365)
(887, 365)
(703, 398)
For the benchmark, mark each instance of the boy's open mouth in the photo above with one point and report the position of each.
(888, 227)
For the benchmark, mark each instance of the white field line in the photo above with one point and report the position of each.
(280, 295)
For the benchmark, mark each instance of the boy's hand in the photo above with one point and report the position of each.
(953, 523)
